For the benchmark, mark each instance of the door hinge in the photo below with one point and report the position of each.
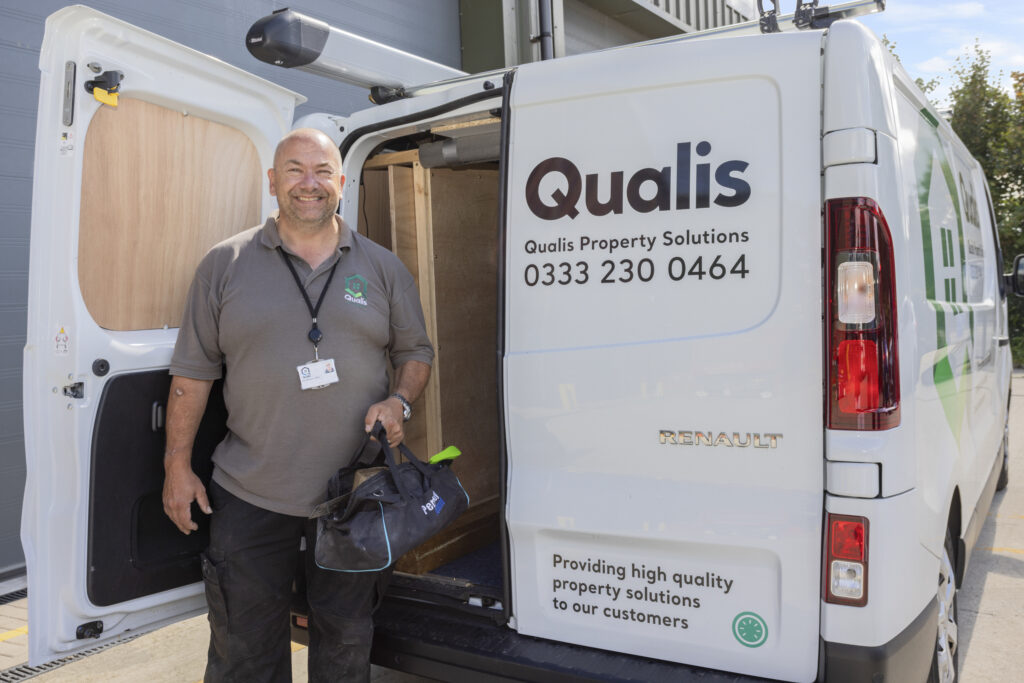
(76, 390)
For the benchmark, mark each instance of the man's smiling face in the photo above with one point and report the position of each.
(307, 179)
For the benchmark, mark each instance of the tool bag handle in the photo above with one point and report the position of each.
(380, 434)
(370, 456)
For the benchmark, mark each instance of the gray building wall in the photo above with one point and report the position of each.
(503, 33)
(588, 29)
(429, 28)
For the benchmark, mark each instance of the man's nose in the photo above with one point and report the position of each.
(308, 179)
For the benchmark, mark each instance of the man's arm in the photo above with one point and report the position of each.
(410, 379)
(185, 407)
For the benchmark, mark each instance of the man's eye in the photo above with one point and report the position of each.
(324, 173)
(293, 172)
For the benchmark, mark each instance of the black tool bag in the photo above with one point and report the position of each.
(378, 510)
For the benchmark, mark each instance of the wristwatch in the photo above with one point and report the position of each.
(406, 408)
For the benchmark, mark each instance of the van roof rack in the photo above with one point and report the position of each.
(807, 15)
(810, 15)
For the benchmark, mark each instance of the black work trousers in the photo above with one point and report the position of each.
(249, 569)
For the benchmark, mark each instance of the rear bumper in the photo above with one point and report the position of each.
(907, 657)
(449, 645)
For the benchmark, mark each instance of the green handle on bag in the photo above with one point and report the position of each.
(449, 453)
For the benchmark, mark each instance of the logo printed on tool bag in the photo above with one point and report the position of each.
(435, 504)
(355, 289)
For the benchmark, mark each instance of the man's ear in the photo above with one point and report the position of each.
(270, 177)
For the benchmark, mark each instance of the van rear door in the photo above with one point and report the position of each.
(147, 153)
(663, 360)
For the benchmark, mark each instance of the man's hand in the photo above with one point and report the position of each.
(181, 487)
(410, 379)
(389, 413)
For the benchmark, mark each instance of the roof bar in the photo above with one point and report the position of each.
(292, 40)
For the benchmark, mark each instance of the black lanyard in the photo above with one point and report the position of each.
(315, 335)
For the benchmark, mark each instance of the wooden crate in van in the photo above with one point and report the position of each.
(443, 224)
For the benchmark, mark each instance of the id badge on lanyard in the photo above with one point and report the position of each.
(317, 373)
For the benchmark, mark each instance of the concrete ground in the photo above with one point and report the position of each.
(174, 654)
(991, 607)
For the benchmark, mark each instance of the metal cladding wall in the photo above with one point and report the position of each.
(587, 29)
(428, 28)
(597, 24)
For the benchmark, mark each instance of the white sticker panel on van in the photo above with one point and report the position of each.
(653, 226)
(709, 591)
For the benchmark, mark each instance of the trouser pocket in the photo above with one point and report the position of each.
(248, 628)
(218, 613)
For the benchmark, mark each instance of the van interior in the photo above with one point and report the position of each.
(432, 198)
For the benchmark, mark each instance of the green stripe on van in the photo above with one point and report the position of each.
(952, 394)
(954, 399)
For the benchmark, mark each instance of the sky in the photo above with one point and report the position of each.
(930, 35)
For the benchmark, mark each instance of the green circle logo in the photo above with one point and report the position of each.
(750, 629)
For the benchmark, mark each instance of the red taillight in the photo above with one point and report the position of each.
(847, 539)
(864, 387)
(857, 376)
(846, 560)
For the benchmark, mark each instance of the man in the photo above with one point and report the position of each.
(302, 316)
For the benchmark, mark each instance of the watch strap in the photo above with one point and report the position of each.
(406, 406)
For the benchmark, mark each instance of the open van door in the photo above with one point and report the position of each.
(663, 352)
(147, 153)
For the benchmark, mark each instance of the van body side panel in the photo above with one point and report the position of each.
(978, 271)
(663, 374)
(956, 392)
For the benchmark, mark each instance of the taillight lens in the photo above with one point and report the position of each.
(847, 539)
(864, 386)
(846, 560)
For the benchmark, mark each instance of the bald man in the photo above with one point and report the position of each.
(302, 318)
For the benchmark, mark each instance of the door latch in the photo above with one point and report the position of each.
(105, 87)
(76, 390)
(93, 629)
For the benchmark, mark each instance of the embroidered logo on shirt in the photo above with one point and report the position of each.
(355, 289)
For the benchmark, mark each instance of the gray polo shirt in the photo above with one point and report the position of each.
(246, 320)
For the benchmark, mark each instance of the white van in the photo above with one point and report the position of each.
(721, 331)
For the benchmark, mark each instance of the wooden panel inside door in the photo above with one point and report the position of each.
(159, 188)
